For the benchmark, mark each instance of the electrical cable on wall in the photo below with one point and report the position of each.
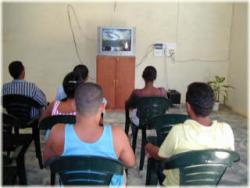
(115, 5)
(77, 21)
(177, 22)
(166, 71)
(201, 60)
(114, 12)
(172, 56)
(73, 34)
(149, 50)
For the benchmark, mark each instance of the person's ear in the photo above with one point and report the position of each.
(188, 108)
(102, 108)
(22, 75)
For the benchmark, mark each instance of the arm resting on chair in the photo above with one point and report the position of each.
(153, 151)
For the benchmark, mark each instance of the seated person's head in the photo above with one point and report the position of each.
(89, 99)
(149, 74)
(200, 98)
(16, 69)
(70, 83)
(82, 70)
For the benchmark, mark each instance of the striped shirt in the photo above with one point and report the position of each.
(29, 89)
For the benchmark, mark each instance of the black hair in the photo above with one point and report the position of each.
(201, 98)
(82, 70)
(149, 74)
(88, 97)
(70, 83)
(15, 69)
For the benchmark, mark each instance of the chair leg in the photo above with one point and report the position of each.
(52, 178)
(143, 143)
(151, 176)
(126, 127)
(16, 130)
(134, 135)
(126, 121)
(9, 175)
(21, 170)
(36, 138)
(159, 170)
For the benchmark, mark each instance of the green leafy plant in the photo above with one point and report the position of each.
(220, 88)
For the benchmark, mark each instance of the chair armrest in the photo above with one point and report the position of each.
(48, 162)
(33, 122)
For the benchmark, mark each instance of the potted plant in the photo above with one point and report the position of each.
(220, 90)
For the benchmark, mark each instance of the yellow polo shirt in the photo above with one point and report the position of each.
(193, 136)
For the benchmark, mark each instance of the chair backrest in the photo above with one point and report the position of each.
(50, 121)
(149, 107)
(85, 170)
(202, 167)
(164, 123)
(20, 106)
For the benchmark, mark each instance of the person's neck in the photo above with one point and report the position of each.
(87, 128)
(20, 78)
(70, 99)
(205, 121)
(149, 85)
(87, 122)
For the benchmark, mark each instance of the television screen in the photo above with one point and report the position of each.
(116, 41)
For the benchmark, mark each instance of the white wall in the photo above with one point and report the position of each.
(237, 72)
(40, 36)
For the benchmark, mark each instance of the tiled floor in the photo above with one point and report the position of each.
(237, 175)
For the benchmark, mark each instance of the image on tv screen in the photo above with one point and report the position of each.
(116, 40)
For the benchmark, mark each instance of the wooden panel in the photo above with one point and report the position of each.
(125, 79)
(105, 71)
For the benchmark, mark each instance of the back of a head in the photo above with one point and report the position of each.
(88, 98)
(82, 70)
(70, 83)
(149, 74)
(201, 98)
(15, 69)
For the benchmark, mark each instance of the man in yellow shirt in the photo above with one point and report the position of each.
(199, 132)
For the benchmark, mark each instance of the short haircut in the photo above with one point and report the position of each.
(70, 83)
(15, 69)
(201, 98)
(82, 70)
(88, 98)
(149, 73)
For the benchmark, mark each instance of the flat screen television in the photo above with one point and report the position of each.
(116, 41)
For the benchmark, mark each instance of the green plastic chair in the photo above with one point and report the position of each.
(162, 124)
(147, 108)
(12, 168)
(50, 121)
(84, 170)
(20, 106)
(202, 167)
(13, 151)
